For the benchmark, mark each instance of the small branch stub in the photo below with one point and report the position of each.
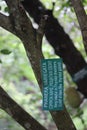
(40, 30)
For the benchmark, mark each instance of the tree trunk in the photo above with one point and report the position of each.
(21, 25)
(60, 41)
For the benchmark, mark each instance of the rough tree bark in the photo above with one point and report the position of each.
(21, 26)
(60, 41)
(18, 113)
(82, 18)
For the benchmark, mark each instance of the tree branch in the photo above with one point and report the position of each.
(82, 19)
(25, 32)
(57, 38)
(18, 113)
(41, 30)
(19, 18)
(5, 23)
(61, 118)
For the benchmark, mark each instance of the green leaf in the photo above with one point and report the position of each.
(5, 51)
(0, 61)
(6, 9)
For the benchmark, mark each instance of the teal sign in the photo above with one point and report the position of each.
(52, 78)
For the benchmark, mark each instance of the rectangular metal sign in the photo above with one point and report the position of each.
(52, 78)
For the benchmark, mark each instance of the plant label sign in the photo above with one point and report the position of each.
(52, 78)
